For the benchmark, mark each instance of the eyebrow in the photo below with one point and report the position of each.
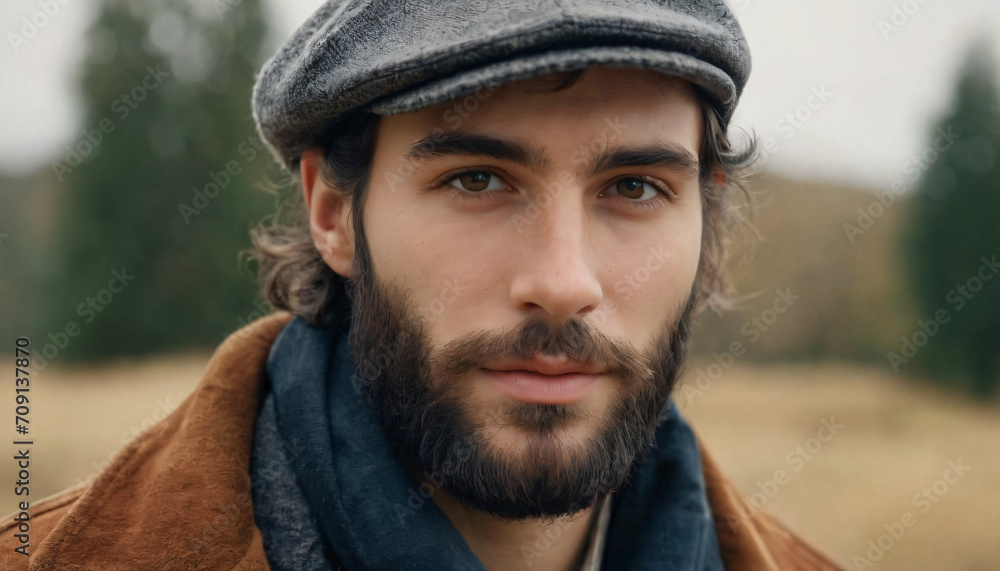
(664, 153)
(464, 143)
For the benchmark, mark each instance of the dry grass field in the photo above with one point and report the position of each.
(896, 440)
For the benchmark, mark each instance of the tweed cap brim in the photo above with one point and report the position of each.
(394, 56)
(714, 81)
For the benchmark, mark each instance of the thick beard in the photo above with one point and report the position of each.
(418, 400)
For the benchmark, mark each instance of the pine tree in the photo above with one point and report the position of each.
(953, 238)
(162, 184)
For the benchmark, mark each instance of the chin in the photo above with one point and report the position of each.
(523, 460)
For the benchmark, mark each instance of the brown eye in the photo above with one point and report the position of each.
(475, 181)
(630, 187)
(637, 189)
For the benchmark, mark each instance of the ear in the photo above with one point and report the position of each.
(330, 221)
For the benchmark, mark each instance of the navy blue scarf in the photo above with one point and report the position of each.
(328, 490)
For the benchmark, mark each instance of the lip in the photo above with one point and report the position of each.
(543, 379)
(548, 365)
(529, 386)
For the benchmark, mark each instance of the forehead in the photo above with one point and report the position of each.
(604, 102)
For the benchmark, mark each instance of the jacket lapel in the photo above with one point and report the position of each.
(750, 539)
(179, 496)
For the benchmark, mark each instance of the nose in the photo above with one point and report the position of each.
(555, 274)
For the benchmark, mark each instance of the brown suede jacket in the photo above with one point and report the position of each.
(178, 496)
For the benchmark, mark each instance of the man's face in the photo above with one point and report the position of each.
(533, 254)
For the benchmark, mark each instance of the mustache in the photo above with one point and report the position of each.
(575, 338)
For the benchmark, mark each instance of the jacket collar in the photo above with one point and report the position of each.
(179, 495)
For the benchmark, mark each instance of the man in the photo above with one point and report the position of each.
(508, 214)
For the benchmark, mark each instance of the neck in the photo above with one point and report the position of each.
(502, 545)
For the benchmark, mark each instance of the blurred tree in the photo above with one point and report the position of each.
(161, 186)
(952, 242)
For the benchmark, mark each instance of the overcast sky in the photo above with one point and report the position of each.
(873, 87)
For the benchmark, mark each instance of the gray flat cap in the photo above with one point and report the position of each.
(393, 56)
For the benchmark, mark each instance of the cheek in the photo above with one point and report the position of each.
(446, 262)
(649, 279)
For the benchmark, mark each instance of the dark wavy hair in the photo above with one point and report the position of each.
(293, 276)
